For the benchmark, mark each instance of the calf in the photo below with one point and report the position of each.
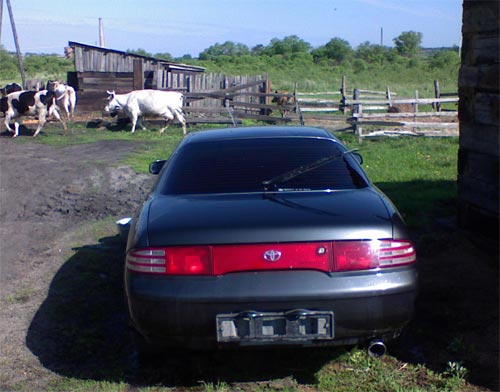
(140, 103)
(10, 88)
(65, 96)
(29, 103)
(284, 101)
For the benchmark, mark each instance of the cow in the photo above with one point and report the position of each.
(29, 103)
(65, 96)
(10, 88)
(140, 103)
(284, 101)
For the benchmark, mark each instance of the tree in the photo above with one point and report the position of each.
(228, 48)
(336, 49)
(257, 50)
(139, 52)
(444, 59)
(9, 69)
(408, 43)
(164, 56)
(371, 53)
(287, 46)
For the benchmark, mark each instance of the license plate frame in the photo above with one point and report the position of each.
(291, 326)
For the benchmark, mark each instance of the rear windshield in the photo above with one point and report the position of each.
(242, 165)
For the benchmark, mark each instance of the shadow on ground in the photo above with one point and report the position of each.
(80, 331)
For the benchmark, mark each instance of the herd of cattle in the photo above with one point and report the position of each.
(16, 103)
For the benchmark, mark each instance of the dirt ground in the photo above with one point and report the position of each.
(62, 313)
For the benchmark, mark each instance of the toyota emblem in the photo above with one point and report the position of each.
(272, 255)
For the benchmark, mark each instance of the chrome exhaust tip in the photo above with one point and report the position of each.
(376, 349)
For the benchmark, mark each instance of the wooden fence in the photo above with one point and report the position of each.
(218, 98)
(378, 109)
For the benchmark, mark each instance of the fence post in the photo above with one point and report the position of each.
(297, 107)
(343, 91)
(355, 96)
(437, 94)
(359, 128)
(388, 95)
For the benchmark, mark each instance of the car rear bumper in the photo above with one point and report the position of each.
(183, 310)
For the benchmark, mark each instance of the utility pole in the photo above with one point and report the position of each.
(381, 36)
(1, 18)
(16, 41)
(101, 34)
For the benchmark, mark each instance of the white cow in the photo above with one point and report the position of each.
(65, 96)
(29, 103)
(156, 103)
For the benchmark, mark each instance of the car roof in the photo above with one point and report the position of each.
(257, 132)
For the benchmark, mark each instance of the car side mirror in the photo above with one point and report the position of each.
(156, 166)
(358, 157)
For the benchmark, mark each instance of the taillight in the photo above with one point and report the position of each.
(176, 260)
(394, 253)
(360, 255)
(354, 255)
(336, 256)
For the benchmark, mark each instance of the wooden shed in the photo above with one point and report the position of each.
(99, 69)
(479, 114)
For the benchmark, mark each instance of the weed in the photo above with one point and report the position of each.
(455, 370)
(21, 296)
(220, 386)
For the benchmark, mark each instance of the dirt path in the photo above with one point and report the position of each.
(61, 294)
(46, 195)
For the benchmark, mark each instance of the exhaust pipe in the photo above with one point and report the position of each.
(376, 349)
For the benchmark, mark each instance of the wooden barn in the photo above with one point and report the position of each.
(479, 113)
(99, 69)
(208, 95)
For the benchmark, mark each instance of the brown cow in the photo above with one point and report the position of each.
(284, 100)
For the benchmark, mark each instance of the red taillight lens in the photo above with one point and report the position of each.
(336, 256)
(178, 260)
(189, 260)
(354, 255)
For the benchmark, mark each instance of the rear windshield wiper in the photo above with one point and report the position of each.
(287, 176)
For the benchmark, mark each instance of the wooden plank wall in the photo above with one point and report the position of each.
(97, 61)
(91, 87)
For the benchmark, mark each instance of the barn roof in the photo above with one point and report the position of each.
(164, 63)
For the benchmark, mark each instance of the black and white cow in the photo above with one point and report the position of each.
(10, 88)
(29, 103)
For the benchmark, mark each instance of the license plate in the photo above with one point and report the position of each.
(296, 325)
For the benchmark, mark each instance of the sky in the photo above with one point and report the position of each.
(183, 27)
